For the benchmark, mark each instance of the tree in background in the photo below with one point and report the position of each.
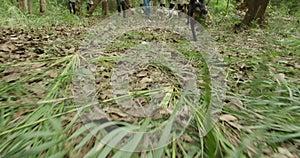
(23, 5)
(104, 7)
(30, 5)
(94, 6)
(128, 2)
(27, 5)
(42, 6)
(256, 11)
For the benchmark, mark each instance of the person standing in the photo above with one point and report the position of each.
(89, 4)
(141, 3)
(147, 5)
(121, 4)
(162, 3)
(172, 4)
(72, 6)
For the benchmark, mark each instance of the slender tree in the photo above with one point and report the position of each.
(112, 5)
(256, 10)
(42, 6)
(104, 7)
(128, 2)
(94, 6)
(23, 5)
(30, 4)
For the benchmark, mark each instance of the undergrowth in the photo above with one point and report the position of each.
(263, 95)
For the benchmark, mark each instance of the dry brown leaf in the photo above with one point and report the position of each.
(235, 125)
(7, 47)
(118, 111)
(236, 102)
(187, 138)
(228, 118)
(21, 112)
(106, 94)
(146, 80)
(285, 152)
(142, 74)
(36, 90)
(39, 65)
(12, 77)
(53, 75)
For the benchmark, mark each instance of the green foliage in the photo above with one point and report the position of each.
(291, 6)
(219, 7)
(56, 13)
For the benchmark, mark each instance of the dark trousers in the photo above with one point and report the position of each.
(88, 6)
(179, 7)
(121, 3)
(72, 7)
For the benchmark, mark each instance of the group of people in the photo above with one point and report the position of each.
(192, 8)
(122, 5)
(72, 5)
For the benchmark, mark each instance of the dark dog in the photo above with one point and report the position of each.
(197, 10)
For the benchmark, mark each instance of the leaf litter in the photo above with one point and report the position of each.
(21, 46)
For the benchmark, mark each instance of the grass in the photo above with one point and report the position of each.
(12, 16)
(263, 93)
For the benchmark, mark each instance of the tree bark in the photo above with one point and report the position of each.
(128, 2)
(23, 5)
(104, 7)
(30, 4)
(261, 11)
(112, 5)
(42, 6)
(94, 6)
(256, 10)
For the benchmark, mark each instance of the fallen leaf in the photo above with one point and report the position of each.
(38, 65)
(235, 125)
(228, 118)
(53, 75)
(146, 80)
(7, 47)
(142, 74)
(187, 138)
(36, 90)
(285, 152)
(11, 77)
(236, 102)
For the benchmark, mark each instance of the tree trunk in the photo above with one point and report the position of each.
(112, 5)
(256, 10)
(30, 4)
(42, 6)
(261, 11)
(94, 6)
(128, 3)
(104, 7)
(23, 5)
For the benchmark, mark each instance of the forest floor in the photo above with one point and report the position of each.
(260, 115)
